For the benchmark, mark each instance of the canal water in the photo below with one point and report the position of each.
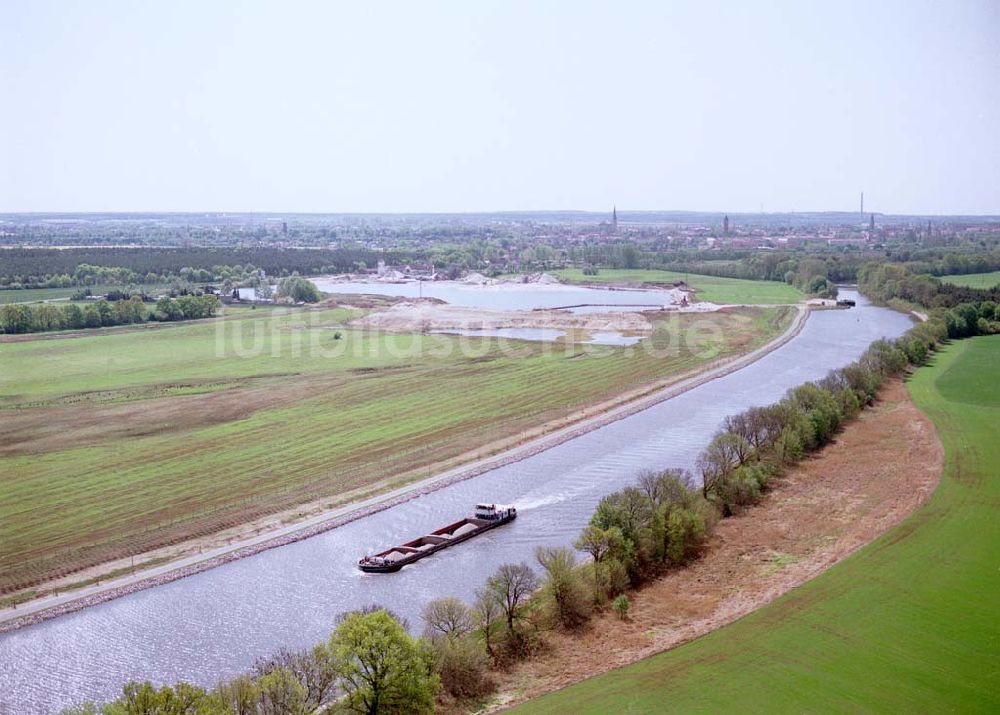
(215, 624)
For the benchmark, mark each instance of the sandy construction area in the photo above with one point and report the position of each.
(879, 470)
(427, 315)
(432, 315)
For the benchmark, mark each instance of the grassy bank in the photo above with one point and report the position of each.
(120, 443)
(708, 288)
(974, 280)
(908, 623)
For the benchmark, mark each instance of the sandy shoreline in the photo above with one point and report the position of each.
(47, 607)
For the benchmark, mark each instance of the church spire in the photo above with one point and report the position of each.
(614, 218)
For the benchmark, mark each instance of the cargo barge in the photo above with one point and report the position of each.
(485, 517)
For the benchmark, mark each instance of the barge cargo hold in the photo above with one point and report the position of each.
(485, 517)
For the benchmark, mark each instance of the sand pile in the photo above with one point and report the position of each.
(420, 316)
(478, 279)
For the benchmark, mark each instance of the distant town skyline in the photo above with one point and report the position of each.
(451, 107)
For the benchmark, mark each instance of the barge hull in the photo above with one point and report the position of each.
(369, 565)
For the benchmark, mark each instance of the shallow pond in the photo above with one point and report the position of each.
(611, 337)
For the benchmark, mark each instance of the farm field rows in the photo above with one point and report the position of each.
(124, 442)
(909, 623)
(708, 288)
(974, 280)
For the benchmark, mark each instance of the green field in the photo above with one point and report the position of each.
(911, 623)
(122, 442)
(708, 288)
(974, 280)
(33, 295)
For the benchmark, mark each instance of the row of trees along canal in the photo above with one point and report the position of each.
(371, 664)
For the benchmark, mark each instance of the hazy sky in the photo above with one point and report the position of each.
(469, 105)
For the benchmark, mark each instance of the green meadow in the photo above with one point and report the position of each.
(31, 295)
(707, 288)
(34, 295)
(974, 280)
(141, 437)
(911, 623)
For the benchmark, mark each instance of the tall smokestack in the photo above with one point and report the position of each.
(862, 204)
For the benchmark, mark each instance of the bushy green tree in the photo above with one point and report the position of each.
(239, 696)
(15, 318)
(462, 666)
(601, 543)
(610, 578)
(299, 289)
(380, 668)
(91, 317)
(627, 510)
(47, 317)
(279, 692)
(73, 316)
(144, 699)
(168, 309)
(194, 307)
(621, 606)
(685, 533)
(563, 589)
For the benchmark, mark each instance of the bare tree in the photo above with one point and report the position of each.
(741, 429)
(652, 486)
(447, 617)
(488, 614)
(511, 586)
(746, 425)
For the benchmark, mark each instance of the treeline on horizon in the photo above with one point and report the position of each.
(889, 282)
(837, 266)
(60, 268)
(371, 664)
(802, 266)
